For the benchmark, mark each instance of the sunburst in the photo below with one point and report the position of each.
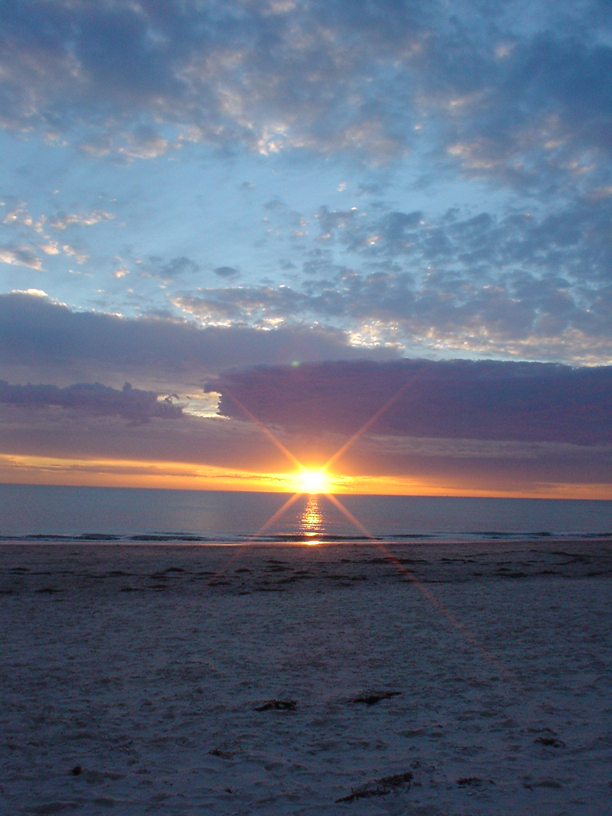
(317, 481)
(313, 481)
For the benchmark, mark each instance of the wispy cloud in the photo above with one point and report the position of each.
(64, 220)
(20, 256)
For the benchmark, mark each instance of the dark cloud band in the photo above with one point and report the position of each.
(40, 338)
(458, 399)
(94, 399)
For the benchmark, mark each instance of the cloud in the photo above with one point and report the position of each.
(508, 94)
(520, 283)
(64, 220)
(20, 256)
(82, 435)
(482, 400)
(470, 426)
(80, 257)
(242, 75)
(50, 248)
(226, 271)
(551, 104)
(570, 238)
(97, 400)
(244, 304)
(170, 270)
(45, 341)
(519, 315)
(19, 216)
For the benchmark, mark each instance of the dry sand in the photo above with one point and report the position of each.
(131, 682)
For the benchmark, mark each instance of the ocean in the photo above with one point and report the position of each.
(34, 512)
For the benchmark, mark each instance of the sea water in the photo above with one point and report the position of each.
(34, 512)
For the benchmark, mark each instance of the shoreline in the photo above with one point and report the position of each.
(296, 540)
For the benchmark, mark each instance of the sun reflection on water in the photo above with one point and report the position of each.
(311, 521)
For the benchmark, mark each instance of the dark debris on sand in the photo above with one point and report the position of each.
(379, 787)
(375, 697)
(470, 781)
(222, 754)
(278, 705)
(550, 742)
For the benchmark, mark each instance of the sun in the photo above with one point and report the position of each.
(313, 481)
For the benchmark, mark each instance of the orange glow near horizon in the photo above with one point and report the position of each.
(20, 469)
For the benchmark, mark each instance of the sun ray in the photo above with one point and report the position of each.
(312, 481)
(349, 443)
(265, 430)
(291, 500)
(427, 593)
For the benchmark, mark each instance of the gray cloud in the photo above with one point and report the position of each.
(42, 341)
(20, 256)
(518, 314)
(95, 399)
(571, 238)
(473, 424)
(81, 434)
(519, 283)
(485, 400)
(156, 267)
(239, 74)
(226, 271)
(550, 104)
(318, 407)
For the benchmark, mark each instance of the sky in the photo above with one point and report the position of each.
(239, 237)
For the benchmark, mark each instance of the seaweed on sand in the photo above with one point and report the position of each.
(375, 697)
(379, 787)
(278, 705)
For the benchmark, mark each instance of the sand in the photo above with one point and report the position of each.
(130, 682)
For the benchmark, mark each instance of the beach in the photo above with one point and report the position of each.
(357, 678)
